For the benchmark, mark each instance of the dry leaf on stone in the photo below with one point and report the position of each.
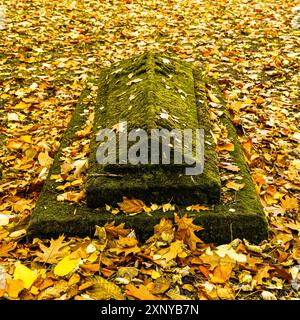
(186, 231)
(235, 186)
(131, 205)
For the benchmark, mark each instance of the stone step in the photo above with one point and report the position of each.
(242, 217)
(151, 92)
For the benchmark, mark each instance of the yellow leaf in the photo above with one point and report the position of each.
(226, 293)
(289, 203)
(155, 275)
(26, 138)
(176, 248)
(131, 205)
(25, 274)
(235, 186)
(197, 208)
(44, 159)
(66, 265)
(21, 105)
(103, 289)
(213, 98)
(168, 207)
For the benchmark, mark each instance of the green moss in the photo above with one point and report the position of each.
(164, 86)
(241, 218)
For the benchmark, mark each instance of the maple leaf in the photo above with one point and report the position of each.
(164, 231)
(114, 231)
(131, 205)
(289, 203)
(57, 249)
(126, 245)
(186, 231)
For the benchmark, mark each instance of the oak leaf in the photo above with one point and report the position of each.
(57, 249)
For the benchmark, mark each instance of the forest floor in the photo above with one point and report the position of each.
(51, 50)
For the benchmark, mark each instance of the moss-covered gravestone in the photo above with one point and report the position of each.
(148, 93)
(145, 94)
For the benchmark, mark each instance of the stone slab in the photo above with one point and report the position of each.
(151, 92)
(241, 218)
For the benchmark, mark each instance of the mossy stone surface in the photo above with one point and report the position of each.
(151, 92)
(241, 218)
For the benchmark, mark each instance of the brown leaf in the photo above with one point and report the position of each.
(6, 248)
(263, 274)
(131, 205)
(56, 250)
(186, 231)
(115, 231)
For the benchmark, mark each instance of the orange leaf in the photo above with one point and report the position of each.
(222, 272)
(225, 147)
(91, 267)
(141, 293)
(263, 274)
(131, 205)
(247, 146)
(14, 287)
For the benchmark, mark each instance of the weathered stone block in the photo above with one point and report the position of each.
(150, 92)
(242, 217)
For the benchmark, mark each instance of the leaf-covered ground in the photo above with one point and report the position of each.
(51, 50)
